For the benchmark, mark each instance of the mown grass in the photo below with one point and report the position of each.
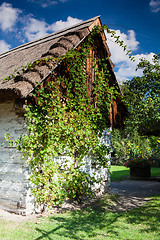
(155, 172)
(94, 222)
(119, 173)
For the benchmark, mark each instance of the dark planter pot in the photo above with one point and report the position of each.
(140, 172)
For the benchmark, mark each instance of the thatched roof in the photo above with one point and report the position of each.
(53, 45)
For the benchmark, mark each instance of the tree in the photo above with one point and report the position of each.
(143, 98)
(141, 133)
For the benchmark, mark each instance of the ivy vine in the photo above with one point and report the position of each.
(64, 118)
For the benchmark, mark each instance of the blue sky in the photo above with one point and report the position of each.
(136, 21)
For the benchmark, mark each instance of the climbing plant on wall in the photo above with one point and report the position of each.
(65, 118)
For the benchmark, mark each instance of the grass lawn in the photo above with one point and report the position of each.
(119, 172)
(94, 222)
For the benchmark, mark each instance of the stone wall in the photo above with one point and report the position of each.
(99, 172)
(92, 169)
(14, 184)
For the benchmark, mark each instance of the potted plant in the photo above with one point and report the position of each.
(140, 167)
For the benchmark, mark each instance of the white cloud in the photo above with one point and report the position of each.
(126, 67)
(8, 16)
(64, 24)
(129, 39)
(4, 46)
(38, 28)
(44, 3)
(155, 5)
(35, 29)
(47, 3)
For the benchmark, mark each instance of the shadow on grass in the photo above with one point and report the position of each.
(82, 224)
(96, 221)
(147, 215)
(45, 234)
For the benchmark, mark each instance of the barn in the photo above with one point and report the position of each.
(14, 174)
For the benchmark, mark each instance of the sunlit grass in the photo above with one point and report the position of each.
(119, 173)
(155, 172)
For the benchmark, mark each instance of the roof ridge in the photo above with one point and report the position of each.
(47, 37)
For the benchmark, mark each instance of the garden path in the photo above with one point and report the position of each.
(140, 188)
(133, 193)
